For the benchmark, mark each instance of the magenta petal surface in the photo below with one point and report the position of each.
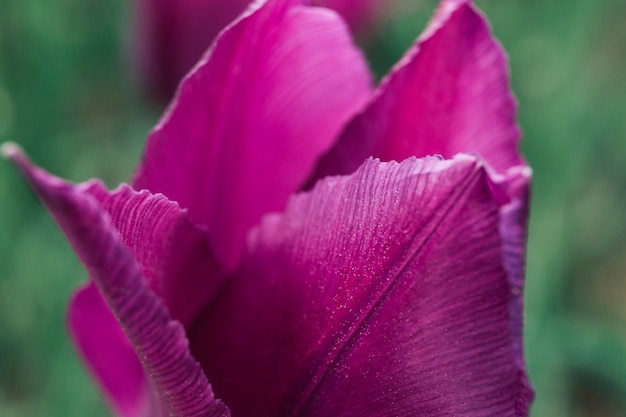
(249, 122)
(383, 293)
(449, 94)
(177, 383)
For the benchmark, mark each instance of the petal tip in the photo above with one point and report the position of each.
(11, 150)
(15, 153)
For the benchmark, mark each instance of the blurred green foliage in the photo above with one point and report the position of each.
(68, 97)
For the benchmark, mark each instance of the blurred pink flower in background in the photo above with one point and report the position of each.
(169, 36)
(361, 15)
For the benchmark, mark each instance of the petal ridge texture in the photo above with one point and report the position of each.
(160, 341)
(379, 293)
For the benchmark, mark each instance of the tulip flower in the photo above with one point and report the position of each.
(169, 36)
(294, 242)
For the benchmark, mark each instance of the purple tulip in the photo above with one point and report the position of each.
(170, 35)
(386, 289)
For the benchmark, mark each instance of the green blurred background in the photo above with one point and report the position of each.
(68, 97)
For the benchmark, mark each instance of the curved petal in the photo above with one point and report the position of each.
(179, 387)
(249, 122)
(449, 94)
(382, 293)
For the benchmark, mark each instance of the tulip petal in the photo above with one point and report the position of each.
(251, 119)
(382, 293)
(449, 94)
(179, 387)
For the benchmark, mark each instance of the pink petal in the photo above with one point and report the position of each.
(449, 94)
(179, 387)
(387, 292)
(249, 122)
(169, 36)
